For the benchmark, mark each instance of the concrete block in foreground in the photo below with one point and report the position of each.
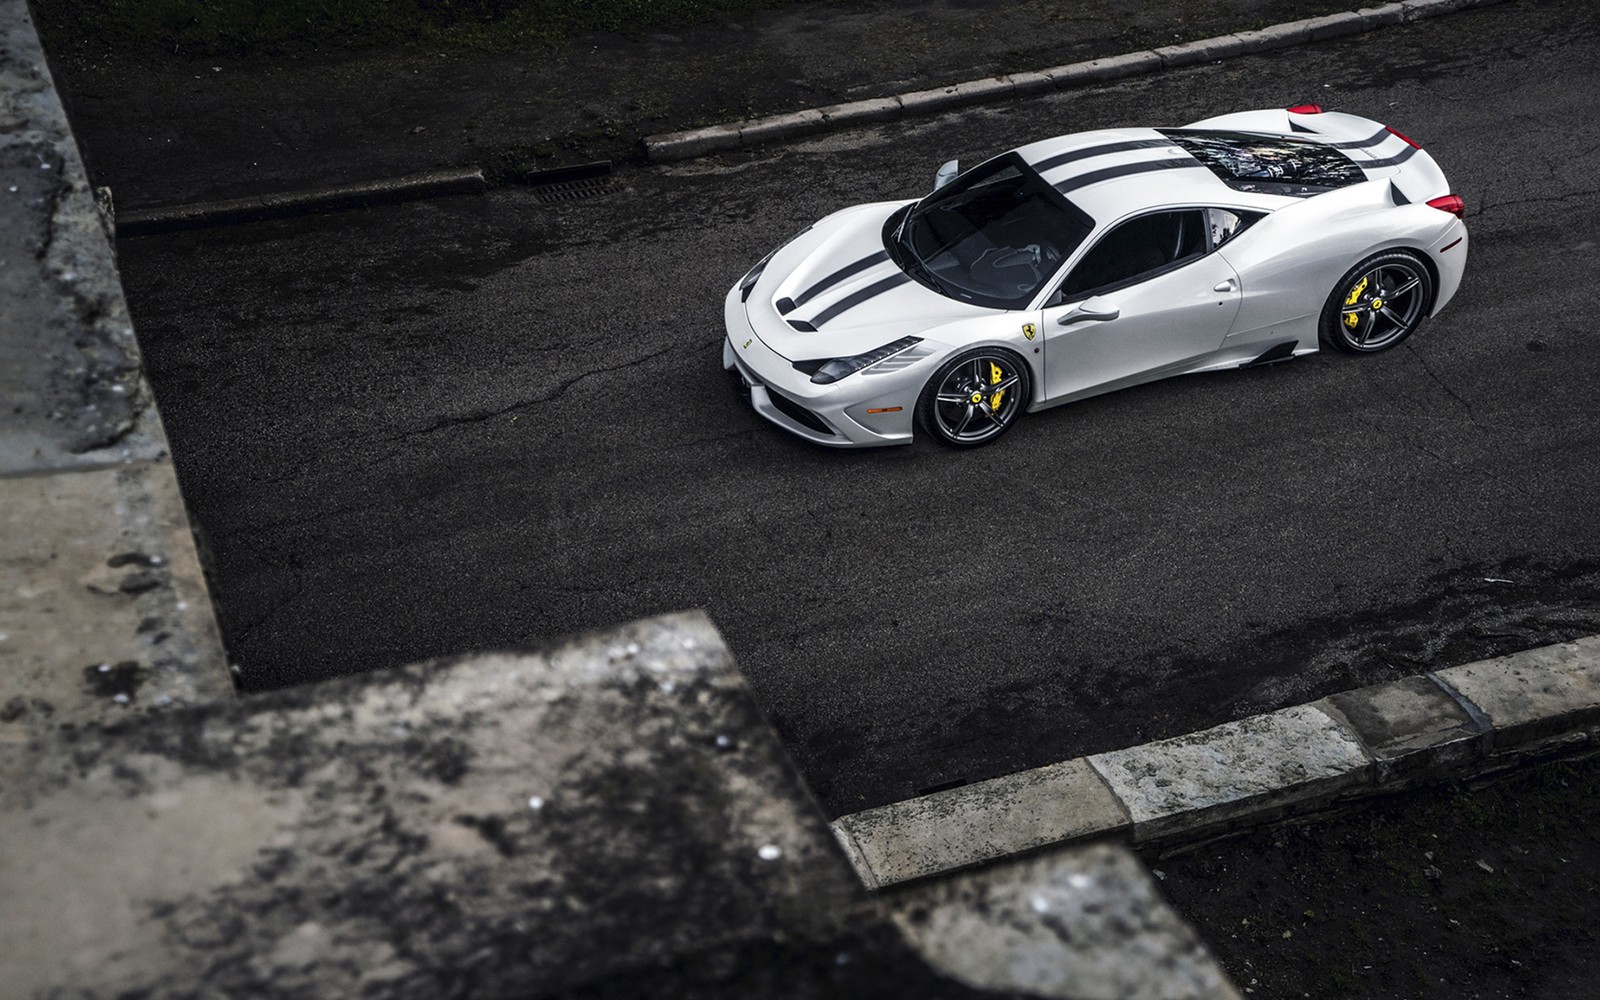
(1409, 726)
(71, 393)
(1056, 926)
(103, 608)
(612, 817)
(980, 822)
(1534, 694)
(1204, 780)
(103, 611)
(501, 825)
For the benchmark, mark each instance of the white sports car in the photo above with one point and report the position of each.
(1091, 262)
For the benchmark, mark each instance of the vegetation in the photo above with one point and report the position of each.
(232, 27)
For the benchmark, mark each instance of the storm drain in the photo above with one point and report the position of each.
(591, 187)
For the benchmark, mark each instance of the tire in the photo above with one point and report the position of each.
(1377, 304)
(975, 397)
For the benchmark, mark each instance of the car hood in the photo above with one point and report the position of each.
(834, 292)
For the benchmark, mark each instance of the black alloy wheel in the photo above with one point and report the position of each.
(975, 397)
(1378, 303)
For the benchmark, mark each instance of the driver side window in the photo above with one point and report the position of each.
(1136, 250)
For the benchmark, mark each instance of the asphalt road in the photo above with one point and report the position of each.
(490, 421)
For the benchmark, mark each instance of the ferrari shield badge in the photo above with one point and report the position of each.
(1029, 330)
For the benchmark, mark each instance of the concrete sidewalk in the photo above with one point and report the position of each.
(185, 130)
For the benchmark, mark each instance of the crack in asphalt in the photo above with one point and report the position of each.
(582, 590)
(1409, 442)
(1440, 382)
(364, 507)
(485, 415)
(712, 439)
(296, 570)
(1492, 206)
(1403, 439)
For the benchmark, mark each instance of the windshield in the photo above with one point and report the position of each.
(994, 236)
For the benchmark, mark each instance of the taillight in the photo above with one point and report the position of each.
(1305, 109)
(1451, 203)
(1414, 144)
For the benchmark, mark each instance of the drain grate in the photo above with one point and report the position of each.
(589, 187)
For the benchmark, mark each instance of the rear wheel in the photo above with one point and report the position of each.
(975, 397)
(1378, 303)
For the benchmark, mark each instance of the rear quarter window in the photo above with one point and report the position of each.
(1227, 223)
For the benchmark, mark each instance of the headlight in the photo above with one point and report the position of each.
(834, 369)
(750, 279)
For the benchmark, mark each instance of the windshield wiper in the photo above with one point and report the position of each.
(916, 263)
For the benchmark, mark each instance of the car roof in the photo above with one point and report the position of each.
(1113, 173)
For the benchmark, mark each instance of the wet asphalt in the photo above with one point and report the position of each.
(487, 422)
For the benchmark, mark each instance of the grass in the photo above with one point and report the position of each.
(197, 28)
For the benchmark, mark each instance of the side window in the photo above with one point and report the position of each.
(1137, 248)
(1226, 224)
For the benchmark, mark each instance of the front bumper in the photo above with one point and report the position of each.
(835, 415)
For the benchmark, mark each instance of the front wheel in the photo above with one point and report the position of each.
(1378, 303)
(975, 397)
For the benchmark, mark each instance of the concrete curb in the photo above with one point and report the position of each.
(431, 184)
(1471, 719)
(671, 146)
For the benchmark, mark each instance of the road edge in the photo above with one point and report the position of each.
(428, 184)
(670, 147)
(1468, 720)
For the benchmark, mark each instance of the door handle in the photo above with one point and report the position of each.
(1094, 309)
(1225, 286)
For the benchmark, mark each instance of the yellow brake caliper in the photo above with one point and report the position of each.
(1352, 320)
(995, 375)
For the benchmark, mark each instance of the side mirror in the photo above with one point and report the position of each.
(946, 174)
(1095, 308)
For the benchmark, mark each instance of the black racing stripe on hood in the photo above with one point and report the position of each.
(1391, 161)
(855, 299)
(1062, 159)
(849, 270)
(1126, 170)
